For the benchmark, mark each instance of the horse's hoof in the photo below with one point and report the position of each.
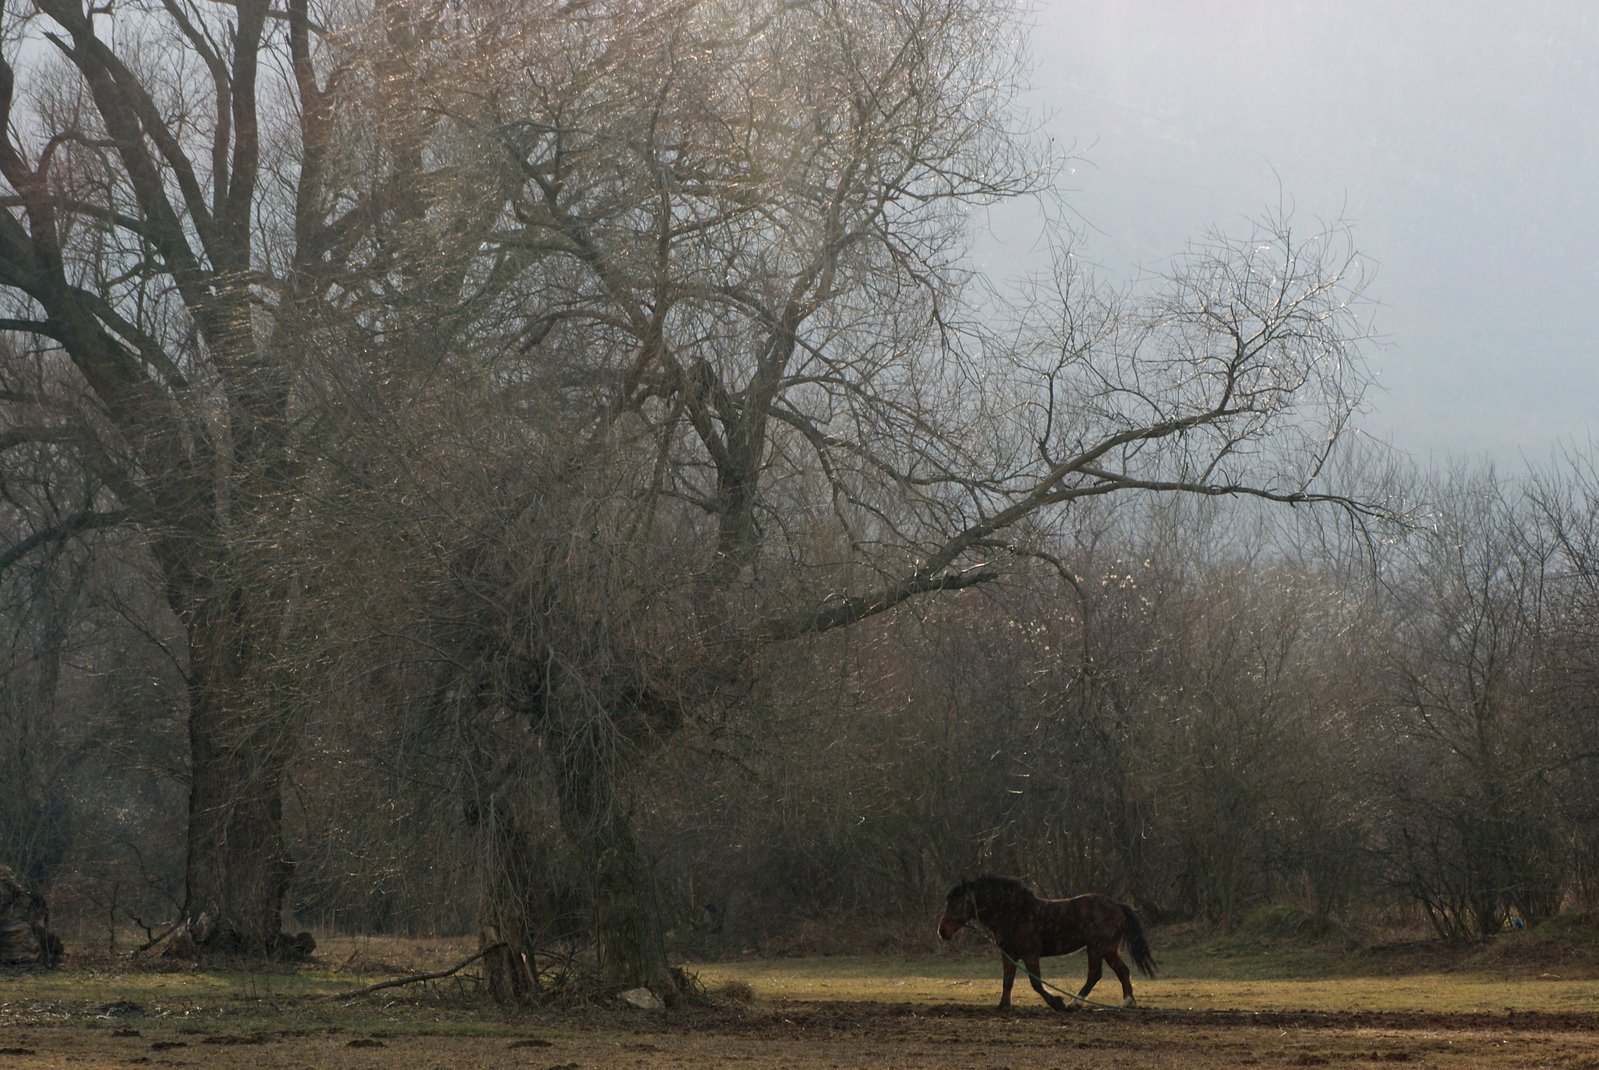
(1129, 1002)
(1072, 1006)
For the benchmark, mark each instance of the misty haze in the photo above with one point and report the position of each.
(570, 515)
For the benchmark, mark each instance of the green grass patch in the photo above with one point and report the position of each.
(154, 988)
(229, 1001)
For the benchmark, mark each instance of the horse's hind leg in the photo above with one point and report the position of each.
(1037, 979)
(1125, 976)
(1095, 971)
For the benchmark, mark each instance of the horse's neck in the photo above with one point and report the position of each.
(1011, 902)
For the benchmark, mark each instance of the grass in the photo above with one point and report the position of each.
(102, 991)
(1186, 982)
(1552, 971)
(1268, 964)
(894, 1011)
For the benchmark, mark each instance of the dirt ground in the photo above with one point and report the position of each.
(804, 1034)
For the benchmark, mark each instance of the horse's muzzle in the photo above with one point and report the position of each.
(947, 929)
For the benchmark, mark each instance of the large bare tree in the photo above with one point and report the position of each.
(735, 383)
(174, 235)
(627, 339)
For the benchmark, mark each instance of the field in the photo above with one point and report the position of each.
(1532, 1005)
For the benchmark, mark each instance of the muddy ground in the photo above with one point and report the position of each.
(779, 1033)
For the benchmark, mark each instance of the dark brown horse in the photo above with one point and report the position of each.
(1027, 928)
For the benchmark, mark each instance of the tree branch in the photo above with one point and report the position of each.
(852, 610)
(417, 978)
(74, 525)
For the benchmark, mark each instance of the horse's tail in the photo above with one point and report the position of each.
(1138, 943)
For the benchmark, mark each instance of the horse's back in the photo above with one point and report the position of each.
(1089, 920)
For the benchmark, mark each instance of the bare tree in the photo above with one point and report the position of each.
(740, 394)
(174, 239)
(634, 339)
(1564, 503)
(1472, 831)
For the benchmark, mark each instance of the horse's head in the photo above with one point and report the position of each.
(994, 902)
(960, 906)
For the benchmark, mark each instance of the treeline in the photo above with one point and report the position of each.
(552, 470)
(1194, 708)
(1199, 710)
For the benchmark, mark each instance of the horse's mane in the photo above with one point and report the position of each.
(996, 889)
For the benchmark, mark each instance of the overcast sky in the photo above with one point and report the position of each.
(1460, 139)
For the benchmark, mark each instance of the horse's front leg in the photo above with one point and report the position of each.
(1007, 978)
(1037, 978)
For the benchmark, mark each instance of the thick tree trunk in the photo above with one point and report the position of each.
(238, 868)
(627, 916)
(505, 929)
(627, 921)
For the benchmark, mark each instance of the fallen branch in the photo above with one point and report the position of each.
(154, 940)
(398, 981)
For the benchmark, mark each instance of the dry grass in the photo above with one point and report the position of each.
(1187, 982)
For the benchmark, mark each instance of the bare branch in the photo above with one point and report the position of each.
(69, 528)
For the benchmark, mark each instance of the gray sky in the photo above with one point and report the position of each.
(1460, 139)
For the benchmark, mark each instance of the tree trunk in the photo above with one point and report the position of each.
(627, 915)
(240, 739)
(505, 930)
(238, 871)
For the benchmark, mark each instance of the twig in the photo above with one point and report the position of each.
(398, 981)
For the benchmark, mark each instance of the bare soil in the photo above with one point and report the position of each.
(800, 1034)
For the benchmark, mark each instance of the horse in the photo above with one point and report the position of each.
(1026, 928)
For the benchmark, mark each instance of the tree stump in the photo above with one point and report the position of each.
(25, 936)
(198, 937)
